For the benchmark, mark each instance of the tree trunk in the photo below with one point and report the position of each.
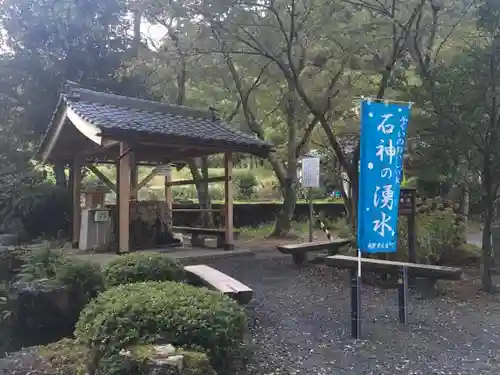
(137, 31)
(289, 188)
(487, 259)
(205, 202)
(60, 175)
(283, 221)
(201, 190)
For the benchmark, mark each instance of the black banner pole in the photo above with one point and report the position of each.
(355, 304)
(403, 295)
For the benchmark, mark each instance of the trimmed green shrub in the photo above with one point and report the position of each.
(246, 184)
(169, 312)
(139, 267)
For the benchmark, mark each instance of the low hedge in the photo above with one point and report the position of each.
(138, 267)
(148, 312)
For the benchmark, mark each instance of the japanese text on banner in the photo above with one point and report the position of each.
(383, 137)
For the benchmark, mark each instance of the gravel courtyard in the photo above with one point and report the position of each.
(304, 325)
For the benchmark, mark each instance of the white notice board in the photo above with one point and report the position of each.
(310, 171)
(163, 170)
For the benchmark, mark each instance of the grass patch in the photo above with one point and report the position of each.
(265, 229)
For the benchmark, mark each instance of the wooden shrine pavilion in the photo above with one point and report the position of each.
(90, 127)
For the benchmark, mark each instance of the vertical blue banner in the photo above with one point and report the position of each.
(382, 146)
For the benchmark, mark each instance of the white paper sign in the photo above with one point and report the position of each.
(101, 216)
(310, 172)
(163, 170)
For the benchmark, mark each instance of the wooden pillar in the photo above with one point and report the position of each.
(133, 177)
(169, 197)
(228, 195)
(76, 174)
(123, 202)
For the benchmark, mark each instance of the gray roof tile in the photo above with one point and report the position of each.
(114, 114)
(110, 117)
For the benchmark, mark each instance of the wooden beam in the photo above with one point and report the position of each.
(228, 195)
(192, 182)
(124, 200)
(133, 177)
(169, 198)
(145, 181)
(101, 177)
(77, 185)
(60, 124)
(198, 210)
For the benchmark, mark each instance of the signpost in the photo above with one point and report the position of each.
(310, 180)
(382, 146)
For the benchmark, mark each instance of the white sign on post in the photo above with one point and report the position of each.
(310, 171)
(163, 170)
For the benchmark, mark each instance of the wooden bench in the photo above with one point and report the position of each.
(428, 273)
(299, 251)
(213, 279)
(198, 241)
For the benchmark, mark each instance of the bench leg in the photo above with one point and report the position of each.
(299, 258)
(426, 288)
(221, 241)
(333, 251)
(197, 241)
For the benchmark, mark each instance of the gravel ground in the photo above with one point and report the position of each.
(304, 326)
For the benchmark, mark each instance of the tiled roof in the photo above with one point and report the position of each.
(115, 114)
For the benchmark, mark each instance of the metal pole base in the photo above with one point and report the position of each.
(355, 305)
(403, 295)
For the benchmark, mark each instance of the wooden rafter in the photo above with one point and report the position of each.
(145, 181)
(101, 177)
(192, 182)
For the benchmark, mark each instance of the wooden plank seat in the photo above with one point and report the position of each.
(213, 279)
(426, 273)
(299, 251)
(196, 233)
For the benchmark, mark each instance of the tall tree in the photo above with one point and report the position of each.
(49, 42)
(465, 98)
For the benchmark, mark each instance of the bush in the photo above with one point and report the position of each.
(156, 359)
(11, 262)
(65, 357)
(183, 193)
(30, 208)
(440, 234)
(148, 312)
(216, 192)
(139, 267)
(246, 184)
(45, 302)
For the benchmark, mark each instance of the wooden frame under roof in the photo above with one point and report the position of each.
(94, 127)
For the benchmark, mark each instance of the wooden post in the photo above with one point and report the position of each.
(311, 214)
(228, 195)
(133, 177)
(169, 198)
(412, 229)
(124, 200)
(76, 184)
